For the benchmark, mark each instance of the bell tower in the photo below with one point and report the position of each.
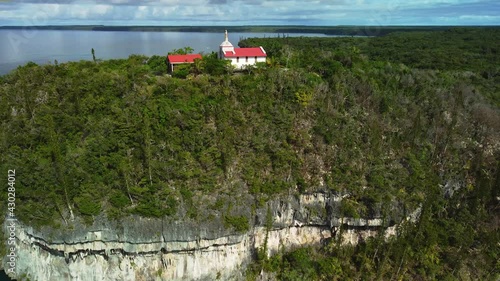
(225, 46)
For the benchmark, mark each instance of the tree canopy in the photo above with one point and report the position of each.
(351, 115)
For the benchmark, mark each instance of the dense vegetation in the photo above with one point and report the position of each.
(457, 234)
(465, 49)
(344, 114)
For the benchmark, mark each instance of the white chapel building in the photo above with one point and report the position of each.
(240, 57)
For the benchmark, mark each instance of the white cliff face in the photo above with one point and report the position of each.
(290, 237)
(223, 258)
(98, 260)
(152, 250)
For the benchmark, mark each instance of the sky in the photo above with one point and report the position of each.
(250, 12)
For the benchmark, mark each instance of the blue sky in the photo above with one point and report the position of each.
(250, 12)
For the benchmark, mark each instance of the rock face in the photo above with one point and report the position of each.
(155, 249)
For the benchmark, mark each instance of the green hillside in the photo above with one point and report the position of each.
(389, 119)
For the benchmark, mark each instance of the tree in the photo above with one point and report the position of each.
(198, 66)
(215, 66)
(157, 64)
(182, 51)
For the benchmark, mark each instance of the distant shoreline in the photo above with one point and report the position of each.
(327, 30)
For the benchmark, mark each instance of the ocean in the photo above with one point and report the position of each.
(18, 47)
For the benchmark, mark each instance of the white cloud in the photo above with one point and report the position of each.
(183, 12)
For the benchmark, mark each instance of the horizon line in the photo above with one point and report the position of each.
(264, 25)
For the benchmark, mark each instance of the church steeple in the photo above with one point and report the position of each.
(225, 46)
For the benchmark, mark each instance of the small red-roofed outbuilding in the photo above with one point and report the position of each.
(173, 60)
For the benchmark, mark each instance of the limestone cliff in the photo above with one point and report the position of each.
(154, 249)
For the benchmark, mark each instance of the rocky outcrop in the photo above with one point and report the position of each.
(155, 249)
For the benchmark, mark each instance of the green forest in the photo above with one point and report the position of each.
(395, 118)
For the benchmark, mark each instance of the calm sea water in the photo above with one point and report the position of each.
(18, 47)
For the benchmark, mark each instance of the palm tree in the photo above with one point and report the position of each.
(198, 66)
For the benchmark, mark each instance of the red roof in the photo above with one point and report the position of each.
(183, 58)
(246, 52)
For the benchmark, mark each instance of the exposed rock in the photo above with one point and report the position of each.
(156, 249)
